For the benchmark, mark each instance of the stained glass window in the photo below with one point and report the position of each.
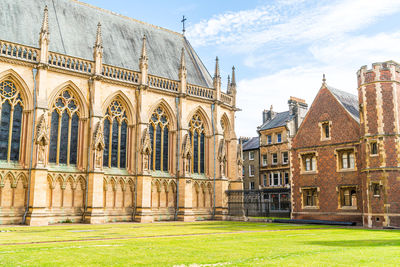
(115, 135)
(196, 134)
(11, 106)
(64, 129)
(159, 130)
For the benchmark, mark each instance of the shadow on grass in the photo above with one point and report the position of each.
(355, 243)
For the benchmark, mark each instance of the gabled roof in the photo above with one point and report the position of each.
(348, 101)
(72, 27)
(253, 143)
(279, 120)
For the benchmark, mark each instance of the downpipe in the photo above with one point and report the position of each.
(88, 161)
(213, 131)
(177, 158)
(34, 72)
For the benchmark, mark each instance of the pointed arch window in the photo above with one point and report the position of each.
(115, 136)
(197, 138)
(11, 106)
(64, 130)
(159, 131)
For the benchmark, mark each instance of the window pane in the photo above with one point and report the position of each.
(195, 153)
(106, 142)
(124, 129)
(114, 144)
(344, 161)
(351, 160)
(165, 150)
(158, 148)
(74, 139)
(202, 147)
(151, 133)
(64, 137)
(314, 164)
(53, 137)
(16, 133)
(4, 130)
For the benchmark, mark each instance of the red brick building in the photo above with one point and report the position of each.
(346, 154)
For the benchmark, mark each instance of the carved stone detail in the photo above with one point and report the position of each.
(98, 146)
(186, 154)
(222, 157)
(146, 149)
(42, 139)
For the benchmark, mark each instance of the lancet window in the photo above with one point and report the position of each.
(115, 135)
(11, 106)
(64, 129)
(197, 137)
(159, 130)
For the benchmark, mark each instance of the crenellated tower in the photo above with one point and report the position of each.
(378, 93)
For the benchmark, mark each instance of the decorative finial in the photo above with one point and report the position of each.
(99, 40)
(144, 53)
(323, 78)
(271, 108)
(233, 76)
(216, 74)
(183, 24)
(45, 23)
(183, 64)
(228, 85)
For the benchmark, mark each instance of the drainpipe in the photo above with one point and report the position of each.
(88, 158)
(34, 72)
(138, 103)
(177, 157)
(213, 130)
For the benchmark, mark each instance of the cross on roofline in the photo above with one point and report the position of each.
(183, 24)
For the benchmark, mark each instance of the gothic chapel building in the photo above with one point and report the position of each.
(122, 124)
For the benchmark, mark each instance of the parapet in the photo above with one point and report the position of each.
(381, 71)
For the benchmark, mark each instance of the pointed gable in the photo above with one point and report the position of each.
(334, 106)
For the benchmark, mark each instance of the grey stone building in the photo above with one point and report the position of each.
(251, 163)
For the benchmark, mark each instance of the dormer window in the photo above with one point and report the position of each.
(325, 130)
(279, 138)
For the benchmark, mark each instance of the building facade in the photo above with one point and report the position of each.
(122, 124)
(326, 179)
(251, 163)
(346, 154)
(276, 134)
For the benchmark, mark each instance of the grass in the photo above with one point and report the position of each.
(218, 243)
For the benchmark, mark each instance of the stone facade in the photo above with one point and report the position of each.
(276, 134)
(251, 163)
(351, 174)
(80, 139)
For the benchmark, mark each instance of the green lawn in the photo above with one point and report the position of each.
(208, 243)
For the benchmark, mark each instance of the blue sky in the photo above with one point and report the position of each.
(279, 48)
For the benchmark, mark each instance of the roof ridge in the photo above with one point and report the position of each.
(126, 17)
(334, 88)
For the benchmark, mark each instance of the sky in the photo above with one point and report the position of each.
(279, 48)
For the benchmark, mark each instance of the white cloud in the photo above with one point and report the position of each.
(289, 21)
(339, 60)
(255, 95)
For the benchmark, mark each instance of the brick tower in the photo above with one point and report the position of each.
(378, 93)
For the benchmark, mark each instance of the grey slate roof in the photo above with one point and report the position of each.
(348, 101)
(280, 119)
(253, 143)
(73, 31)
